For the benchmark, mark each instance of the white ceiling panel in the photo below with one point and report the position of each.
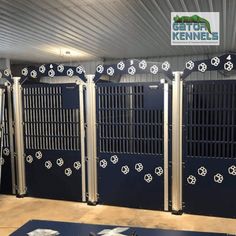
(46, 30)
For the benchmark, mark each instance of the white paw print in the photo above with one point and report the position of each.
(191, 179)
(165, 66)
(218, 178)
(70, 72)
(38, 155)
(80, 69)
(121, 65)
(60, 162)
(114, 159)
(29, 159)
(42, 69)
(24, 71)
(100, 69)
(142, 64)
(6, 152)
(215, 61)
(7, 72)
(48, 164)
(60, 68)
(110, 71)
(202, 67)
(77, 165)
(33, 74)
(232, 170)
(125, 169)
(131, 70)
(51, 73)
(103, 163)
(148, 178)
(202, 171)
(154, 69)
(189, 65)
(159, 171)
(228, 66)
(68, 172)
(139, 167)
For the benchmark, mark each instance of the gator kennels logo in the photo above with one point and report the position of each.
(195, 28)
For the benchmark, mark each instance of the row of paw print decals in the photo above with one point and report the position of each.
(59, 162)
(52, 70)
(225, 62)
(6, 153)
(217, 178)
(132, 67)
(125, 169)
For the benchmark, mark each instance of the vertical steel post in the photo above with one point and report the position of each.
(2, 108)
(177, 100)
(166, 146)
(11, 140)
(20, 160)
(82, 141)
(91, 140)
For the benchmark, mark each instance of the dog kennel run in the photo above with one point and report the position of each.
(167, 145)
(50, 143)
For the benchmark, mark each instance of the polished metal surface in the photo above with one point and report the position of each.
(20, 159)
(177, 143)
(166, 146)
(91, 139)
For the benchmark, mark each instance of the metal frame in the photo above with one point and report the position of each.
(166, 147)
(20, 157)
(177, 143)
(82, 141)
(91, 140)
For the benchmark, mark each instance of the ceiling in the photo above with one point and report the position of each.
(47, 30)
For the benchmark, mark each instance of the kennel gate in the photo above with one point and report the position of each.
(209, 141)
(132, 138)
(53, 133)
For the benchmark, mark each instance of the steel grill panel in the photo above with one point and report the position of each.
(52, 140)
(211, 120)
(125, 126)
(47, 125)
(130, 144)
(210, 147)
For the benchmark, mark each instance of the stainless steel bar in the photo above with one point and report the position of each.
(91, 140)
(20, 162)
(82, 142)
(177, 144)
(166, 147)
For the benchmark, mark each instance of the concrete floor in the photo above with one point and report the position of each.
(15, 212)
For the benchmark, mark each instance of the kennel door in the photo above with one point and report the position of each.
(52, 115)
(130, 144)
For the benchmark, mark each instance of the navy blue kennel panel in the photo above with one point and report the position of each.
(51, 117)
(209, 148)
(6, 181)
(130, 144)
